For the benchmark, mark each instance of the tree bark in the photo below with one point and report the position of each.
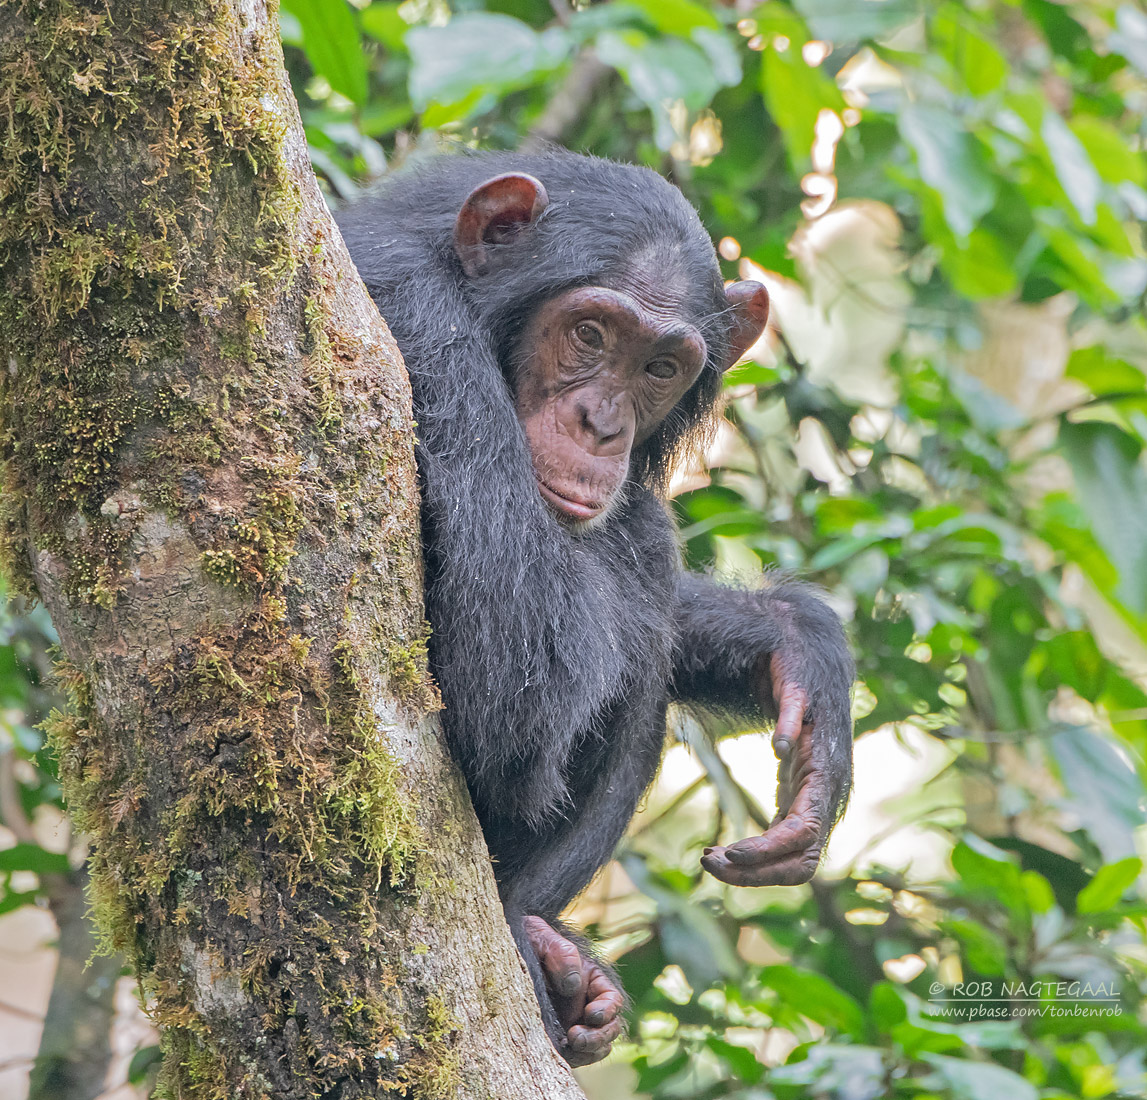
(208, 479)
(75, 1049)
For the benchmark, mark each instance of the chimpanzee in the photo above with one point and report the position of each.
(565, 326)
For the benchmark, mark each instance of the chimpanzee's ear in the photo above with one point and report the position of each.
(748, 312)
(494, 213)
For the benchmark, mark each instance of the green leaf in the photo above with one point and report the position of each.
(1080, 258)
(795, 94)
(964, 43)
(1065, 35)
(463, 67)
(741, 1060)
(10, 902)
(679, 17)
(1040, 895)
(1076, 173)
(382, 21)
(837, 22)
(1130, 36)
(590, 21)
(332, 45)
(867, 572)
(886, 1006)
(1112, 483)
(691, 934)
(986, 868)
(1111, 882)
(840, 550)
(31, 857)
(1102, 373)
(722, 55)
(960, 1079)
(951, 163)
(815, 998)
(836, 1070)
(1109, 150)
(985, 951)
(1103, 789)
(979, 266)
(142, 1061)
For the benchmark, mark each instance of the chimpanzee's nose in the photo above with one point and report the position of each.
(603, 419)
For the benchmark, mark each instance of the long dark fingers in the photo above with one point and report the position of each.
(561, 960)
(791, 707)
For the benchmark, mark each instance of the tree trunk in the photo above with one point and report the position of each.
(75, 1049)
(209, 482)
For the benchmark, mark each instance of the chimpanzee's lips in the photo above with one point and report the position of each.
(571, 506)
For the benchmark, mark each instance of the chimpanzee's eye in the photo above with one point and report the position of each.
(662, 368)
(590, 335)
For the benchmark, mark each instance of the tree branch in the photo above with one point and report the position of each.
(570, 102)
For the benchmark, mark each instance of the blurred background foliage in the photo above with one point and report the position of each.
(945, 428)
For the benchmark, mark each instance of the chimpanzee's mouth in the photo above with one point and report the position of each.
(570, 506)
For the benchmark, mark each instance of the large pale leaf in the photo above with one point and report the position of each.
(462, 67)
(836, 22)
(1112, 482)
(965, 1080)
(1102, 790)
(662, 72)
(1130, 37)
(1077, 175)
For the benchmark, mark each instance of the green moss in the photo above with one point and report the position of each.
(440, 1021)
(410, 678)
(433, 1074)
(223, 567)
(113, 283)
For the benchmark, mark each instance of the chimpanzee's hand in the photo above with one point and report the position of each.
(583, 994)
(808, 795)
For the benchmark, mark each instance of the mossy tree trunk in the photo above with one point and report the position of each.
(209, 483)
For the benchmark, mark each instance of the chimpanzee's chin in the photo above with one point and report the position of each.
(584, 525)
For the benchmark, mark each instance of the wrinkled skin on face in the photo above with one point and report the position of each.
(597, 369)
(598, 372)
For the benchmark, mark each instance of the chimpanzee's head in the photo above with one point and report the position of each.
(615, 348)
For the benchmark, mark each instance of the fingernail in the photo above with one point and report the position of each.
(708, 852)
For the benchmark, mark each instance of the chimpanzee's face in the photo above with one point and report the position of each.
(597, 370)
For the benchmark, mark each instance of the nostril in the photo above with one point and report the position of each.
(587, 424)
(605, 422)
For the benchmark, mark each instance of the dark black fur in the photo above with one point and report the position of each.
(557, 652)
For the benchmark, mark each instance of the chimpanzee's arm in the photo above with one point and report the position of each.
(778, 653)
